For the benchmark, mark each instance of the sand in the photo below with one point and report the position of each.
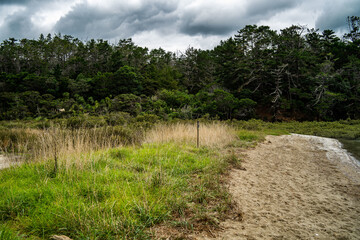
(295, 187)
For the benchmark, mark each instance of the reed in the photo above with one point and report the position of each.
(215, 135)
(68, 146)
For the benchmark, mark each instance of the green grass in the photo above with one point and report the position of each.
(119, 194)
(345, 129)
(6, 233)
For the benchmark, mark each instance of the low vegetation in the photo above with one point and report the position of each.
(211, 134)
(116, 192)
(124, 181)
(345, 129)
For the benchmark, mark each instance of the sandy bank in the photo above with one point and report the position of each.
(295, 187)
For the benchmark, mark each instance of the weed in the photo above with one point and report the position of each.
(233, 160)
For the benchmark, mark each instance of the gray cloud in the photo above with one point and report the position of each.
(23, 18)
(8, 2)
(122, 21)
(80, 20)
(264, 8)
(334, 15)
(17, 25)
(220, 22)
(23, 2)
(196, 21)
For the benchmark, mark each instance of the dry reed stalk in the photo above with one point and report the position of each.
(211, 134)
(69, 146)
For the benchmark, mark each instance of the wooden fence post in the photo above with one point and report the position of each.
(197, 139)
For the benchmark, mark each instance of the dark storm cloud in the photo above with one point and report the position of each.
(224, 21)
(261, 9)
(207, 28)
(18, 18)
(121, 21)
(80, 19)
(203, 19)
(334, 15)
(21, 2)
(5, 2)
(17, 25)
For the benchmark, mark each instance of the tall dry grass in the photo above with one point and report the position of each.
(68, 146)
(210, 134)
(75, 146)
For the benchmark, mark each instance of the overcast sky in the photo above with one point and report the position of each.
(170, 24)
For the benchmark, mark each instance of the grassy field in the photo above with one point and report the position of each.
(107, 192)
(122, 182)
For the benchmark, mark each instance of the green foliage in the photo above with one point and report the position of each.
(174, 99)
(295, 74)
(125, 80)
(118, 118)
(147, 118)
(6, 233)
(344, 129)
(118, 193)
(84, 121)
(129, 103)
(225, 105)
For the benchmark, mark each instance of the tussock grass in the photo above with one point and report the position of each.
(117, 194)
(107, 188)
(214, 135)
(69, 146)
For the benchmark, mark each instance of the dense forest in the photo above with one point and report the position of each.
(294, 74)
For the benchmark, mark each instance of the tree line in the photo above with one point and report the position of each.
(294, 74)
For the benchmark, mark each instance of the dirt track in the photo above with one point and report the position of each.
(292, 190)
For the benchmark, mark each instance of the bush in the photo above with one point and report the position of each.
(147, 117)
(118, 118)
(85, 121)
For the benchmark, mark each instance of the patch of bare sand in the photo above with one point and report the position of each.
(291, 189)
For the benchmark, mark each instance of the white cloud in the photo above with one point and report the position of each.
(175, 41)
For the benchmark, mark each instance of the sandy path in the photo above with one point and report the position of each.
(291, 189)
